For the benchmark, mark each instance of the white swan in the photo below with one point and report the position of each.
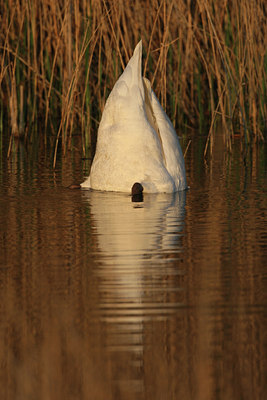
(136, 140)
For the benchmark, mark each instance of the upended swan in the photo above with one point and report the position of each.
(136, 140)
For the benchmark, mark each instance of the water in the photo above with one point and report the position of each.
(103, 298)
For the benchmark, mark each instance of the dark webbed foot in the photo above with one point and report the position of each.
(137, 188)
(137, 192)
(75, 186)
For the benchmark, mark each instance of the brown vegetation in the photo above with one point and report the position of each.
(59, 60)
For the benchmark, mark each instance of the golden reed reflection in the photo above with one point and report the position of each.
(102, 298)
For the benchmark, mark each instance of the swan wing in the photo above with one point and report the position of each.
(128, 148)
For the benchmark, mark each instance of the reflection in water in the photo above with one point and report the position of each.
(138, 244)
(105, 298)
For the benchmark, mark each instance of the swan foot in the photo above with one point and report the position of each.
(75, 186)
(137, 192)
(137, 188)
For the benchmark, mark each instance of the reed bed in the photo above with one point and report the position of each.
(59, 60)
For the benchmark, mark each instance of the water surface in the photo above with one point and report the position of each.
(103, 298)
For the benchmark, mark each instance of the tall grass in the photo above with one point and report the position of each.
(59, 60)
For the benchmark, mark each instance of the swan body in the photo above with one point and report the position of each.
(136, 140)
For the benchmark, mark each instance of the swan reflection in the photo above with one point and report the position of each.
(139, 277)
(139, 244)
